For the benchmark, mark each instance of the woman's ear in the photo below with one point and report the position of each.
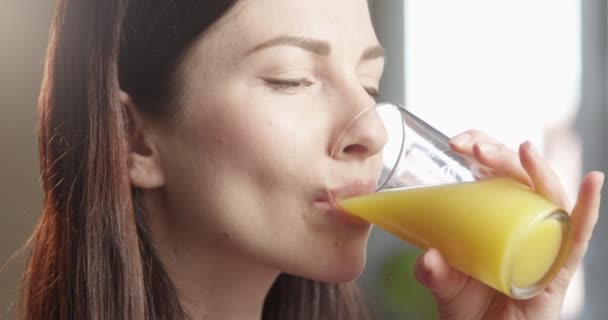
(144, 166)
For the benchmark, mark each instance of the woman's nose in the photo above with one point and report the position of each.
(363, 137)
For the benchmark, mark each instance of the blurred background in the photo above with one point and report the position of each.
(519, 70)
(24, 28)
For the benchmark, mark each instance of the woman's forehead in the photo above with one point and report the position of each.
(252, 22)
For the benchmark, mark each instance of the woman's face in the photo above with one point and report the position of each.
(265, 95)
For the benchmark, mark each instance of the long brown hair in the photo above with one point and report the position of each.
(91, 253)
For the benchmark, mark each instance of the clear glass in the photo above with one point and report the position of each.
(496, 230)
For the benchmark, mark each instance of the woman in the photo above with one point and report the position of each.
(183, 152)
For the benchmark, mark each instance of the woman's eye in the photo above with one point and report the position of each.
(373, 92)
(288, 84)
(296, 84)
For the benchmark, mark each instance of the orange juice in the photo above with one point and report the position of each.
(497, 231)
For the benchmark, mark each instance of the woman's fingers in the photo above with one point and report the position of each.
(528, 166)
(584, 217)
(544, 179)
(458, 296)
(445, 282)
(464, 142)
(501, 160)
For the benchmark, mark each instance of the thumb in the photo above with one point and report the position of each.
(444, 282)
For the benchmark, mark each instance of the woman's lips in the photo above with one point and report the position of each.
(329, 201)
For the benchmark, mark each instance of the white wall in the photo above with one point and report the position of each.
(23, 35)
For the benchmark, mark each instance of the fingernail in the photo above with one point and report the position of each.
(528, 144)
(461, 139)
(487, 148)
(428, 258)
(426, 270)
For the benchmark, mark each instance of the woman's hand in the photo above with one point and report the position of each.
(461, 297)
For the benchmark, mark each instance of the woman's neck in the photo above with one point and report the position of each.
(219, 286)
(212, 282)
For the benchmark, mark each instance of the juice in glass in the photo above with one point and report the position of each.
(497, 230)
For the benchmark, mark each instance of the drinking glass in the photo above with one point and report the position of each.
(495, 229)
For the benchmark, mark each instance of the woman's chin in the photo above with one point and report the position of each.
(345, 276)
(339, 270)
(331, 260)
(347, 264)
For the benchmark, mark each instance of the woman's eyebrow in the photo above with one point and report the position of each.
(374, 52)
(315, 46)
(318, 47)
